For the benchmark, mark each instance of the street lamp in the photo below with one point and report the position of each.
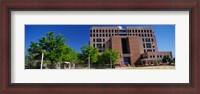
(43, 51)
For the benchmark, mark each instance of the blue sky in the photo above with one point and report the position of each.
(78, 35)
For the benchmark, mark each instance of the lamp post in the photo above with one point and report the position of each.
(43, 51)
(89, 61)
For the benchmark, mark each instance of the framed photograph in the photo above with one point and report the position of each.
(129, 46)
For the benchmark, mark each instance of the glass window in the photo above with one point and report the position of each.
(99, 45)
(147, 39)
(93, 40)
(103, 45)
(148, 45)
(93, 45)
(149, 50)
(103, 40)
(98, 40)
(93, 35)
(143, 45)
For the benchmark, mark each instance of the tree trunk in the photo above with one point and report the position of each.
(51, 64)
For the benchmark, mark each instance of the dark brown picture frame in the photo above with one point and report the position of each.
(193, 87)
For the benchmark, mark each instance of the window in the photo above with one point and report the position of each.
(148, 45)
(160, 56)
(103, 45)
(109, 35)
(142, 39)
(138, 31)
(153, 50)
(157, 56)
(151, 35)
(152, 39)
(147, 39)
(100, 35)
(142, 35)
(143, 45)
(149, 50)
(139, 35)
(103, 31)
(100, 50)
(150, 56)
(103, 35)
(112, 34)
(148, 35)
(142, 31)
(135, 31)
(99, 31)
(147, 31)
(97, 35)
(99, 45)
(106, 35)
(98, 40)
(103, 40)
(93, 35)
(93, 45)
(90, 35)
(153, 56)
(93, 40)
(144, 51)
(150, 31)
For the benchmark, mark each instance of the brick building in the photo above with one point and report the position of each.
(136, 45)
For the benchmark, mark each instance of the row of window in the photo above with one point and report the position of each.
(99, 45)
(158, 56)
(98, 40)
(134, 31)
(148, 45)
(104, 31)
(109, 35)
(149, 50)
(145, 31)
(147, 40)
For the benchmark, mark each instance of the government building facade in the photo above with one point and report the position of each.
(136, 45)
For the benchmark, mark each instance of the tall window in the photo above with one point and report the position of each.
(99, 45)
(143, 45)
(148, 45)
(93, 40)
(147, 39)
(98, 40)
(149, 50)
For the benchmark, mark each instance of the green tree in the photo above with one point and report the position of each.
(167, 59)
(110, 56)
(89, 52)
(54, 48)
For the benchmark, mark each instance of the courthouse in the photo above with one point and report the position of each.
(136, 45)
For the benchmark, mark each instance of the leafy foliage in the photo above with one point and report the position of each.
(109, 55)
(54, 48)
(167, 59)
(89, 51)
